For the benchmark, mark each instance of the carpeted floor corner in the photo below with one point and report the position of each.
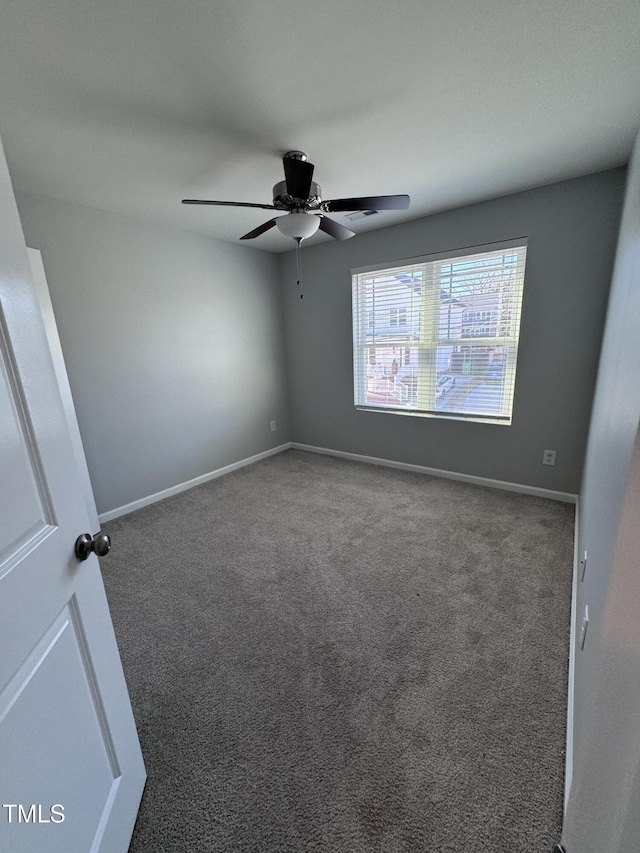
(329, 656)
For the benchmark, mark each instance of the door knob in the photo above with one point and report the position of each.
(100, 544)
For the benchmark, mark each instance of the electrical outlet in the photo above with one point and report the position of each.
(273, 426)
(548, 457)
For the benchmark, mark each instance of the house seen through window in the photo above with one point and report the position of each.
(438, 336)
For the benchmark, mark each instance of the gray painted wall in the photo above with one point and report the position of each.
(173, 344)
(572, 229)
(604, 805)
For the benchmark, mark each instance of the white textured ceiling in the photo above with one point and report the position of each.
(131, 105)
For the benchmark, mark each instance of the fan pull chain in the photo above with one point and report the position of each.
(299, 265)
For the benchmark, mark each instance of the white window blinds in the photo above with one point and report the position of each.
(438, 335)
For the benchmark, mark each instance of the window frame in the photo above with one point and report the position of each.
(509, 345)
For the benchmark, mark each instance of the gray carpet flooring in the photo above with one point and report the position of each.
(330, 656)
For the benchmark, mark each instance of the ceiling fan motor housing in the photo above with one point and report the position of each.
(283, 201)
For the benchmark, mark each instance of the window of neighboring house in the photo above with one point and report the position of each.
(444, 337)
(397, 316)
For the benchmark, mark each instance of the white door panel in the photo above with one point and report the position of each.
(67, 734)
(34, 732)
(25, 513)
(55, 349)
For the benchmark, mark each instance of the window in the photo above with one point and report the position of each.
(398, 317)
(443, 341)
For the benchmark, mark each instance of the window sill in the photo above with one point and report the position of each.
(438, 416)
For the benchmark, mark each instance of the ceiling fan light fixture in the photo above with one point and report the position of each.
(298, 224)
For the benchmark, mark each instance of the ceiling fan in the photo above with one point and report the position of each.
(301, 198)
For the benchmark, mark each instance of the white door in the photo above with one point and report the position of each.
(71, 771)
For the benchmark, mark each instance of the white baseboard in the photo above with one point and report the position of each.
(565, 497)
(573, 641)
(189, 484)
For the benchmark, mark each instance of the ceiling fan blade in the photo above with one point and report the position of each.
(370, 202)
(259, 230)
(228, 203)
(334, 229)
(298, 175)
